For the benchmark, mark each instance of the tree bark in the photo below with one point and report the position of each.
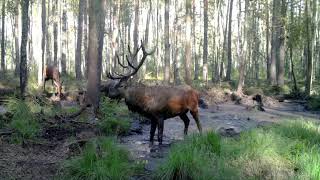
(267, 41)
(3, 48)
(64, 40)
(85, 37)
(96, 34)
(205, 41)
(282, 47)
(308, 48)
(16, 38)
(136, 26)
(55, 33)
(275, 42)
(48, 37)
(167, 44)
(188, 43)
(78, 56)
(194, 52)
(229, 67)
(23, 53)
(43, 42)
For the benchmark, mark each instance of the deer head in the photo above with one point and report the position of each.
(120, 84)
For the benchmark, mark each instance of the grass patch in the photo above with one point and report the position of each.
(289, 150)
(100, 159)
(314, 103)
(115, 119)
(23, 120)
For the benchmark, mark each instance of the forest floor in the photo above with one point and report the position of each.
(59, 140)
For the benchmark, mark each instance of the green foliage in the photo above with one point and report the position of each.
(289, 150)
(314, 103)
(192, 159)
(23, 121)
(114, 118)
(101, 159)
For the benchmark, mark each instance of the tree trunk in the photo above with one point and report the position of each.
(16, 38)
(229, 67)
(78, 56)
(23, 53)
(267, 41)
(64, 40)
(308, 48)
(240, 44)
(43, 42)
(48, 37)
(3, 53)
(205, 41)
(282, 47)
(275, 42)
(136, 26)
(96, 34)
(167, 44)
(188, 43)
(55, 33)
(85, 37)
(194, 52)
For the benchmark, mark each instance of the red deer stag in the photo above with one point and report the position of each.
(157, 103)
(51, 72)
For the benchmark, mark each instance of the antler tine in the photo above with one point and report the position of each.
(129, 63)
(110, 76)
(122, 65)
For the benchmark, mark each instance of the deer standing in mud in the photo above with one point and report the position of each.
(52, 72)
(157, 103)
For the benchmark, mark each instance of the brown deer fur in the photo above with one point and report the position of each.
(157, 103)
(51, 72)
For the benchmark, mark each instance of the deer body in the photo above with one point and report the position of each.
(52, 73)
(157, 103)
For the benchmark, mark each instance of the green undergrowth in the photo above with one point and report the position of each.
(314, 103)
(115, 120)
(24, 122)
(289, 150)
(101, 159)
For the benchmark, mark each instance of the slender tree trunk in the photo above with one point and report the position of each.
(16, 38)
(96, 34)
(229, 67)
(55, 32)
(136, 26)
(78, 56)
(194, 52)
(282, 47)
(205, 41)
(275, 42)
(85, 37)
(64, 40)
(48, 37)
(188, 43)
(43, 42)
(167, 44)
(267, 41)
(23, 53)
(240, 44)
(224, 45)
(3, 49)
(308, 48)
(176, 62)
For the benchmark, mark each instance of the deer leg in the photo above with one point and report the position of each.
(195, 115)
(153, 129)
(160, 130)
(186, 121)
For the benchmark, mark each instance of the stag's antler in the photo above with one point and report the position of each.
(130, 58)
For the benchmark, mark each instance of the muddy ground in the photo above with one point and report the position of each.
(60, 140)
